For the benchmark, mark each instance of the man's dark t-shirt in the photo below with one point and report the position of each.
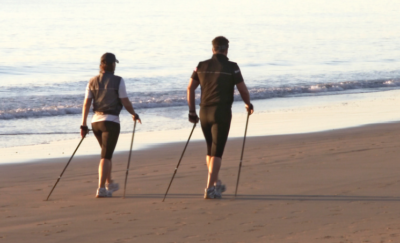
(218, 77)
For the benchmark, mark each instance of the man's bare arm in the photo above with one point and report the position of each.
(193, 84)
(244, 93)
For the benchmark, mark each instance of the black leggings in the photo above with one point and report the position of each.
(107, 134)
(215, 123)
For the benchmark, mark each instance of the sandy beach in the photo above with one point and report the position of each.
(335, 186)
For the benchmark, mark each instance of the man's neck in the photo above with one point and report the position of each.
(220, 53)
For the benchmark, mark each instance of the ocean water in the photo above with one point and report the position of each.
(285, 49)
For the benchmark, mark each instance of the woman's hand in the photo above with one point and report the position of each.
(84, 131)
(136, 118)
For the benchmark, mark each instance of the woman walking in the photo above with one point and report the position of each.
(108, 94)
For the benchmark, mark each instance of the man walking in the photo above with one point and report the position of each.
(217, 78)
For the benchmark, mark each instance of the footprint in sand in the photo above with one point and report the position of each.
(191, 236)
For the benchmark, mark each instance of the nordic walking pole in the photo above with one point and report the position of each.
(129, 159)
(177, 166)
(241, 156)
(65, 168)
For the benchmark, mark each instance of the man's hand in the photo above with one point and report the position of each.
(136, 118)
(193, 118)
(84, 131)
(249, 108)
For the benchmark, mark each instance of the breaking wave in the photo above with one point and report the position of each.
(67, 104)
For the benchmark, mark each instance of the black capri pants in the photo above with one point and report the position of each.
(107, 134)
(215, 123)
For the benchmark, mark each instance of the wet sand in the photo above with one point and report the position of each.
(272, 117)
(335, 186)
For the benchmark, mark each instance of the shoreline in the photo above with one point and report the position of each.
(272, 117)
(193, 142)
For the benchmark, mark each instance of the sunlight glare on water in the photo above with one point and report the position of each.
(289, 48)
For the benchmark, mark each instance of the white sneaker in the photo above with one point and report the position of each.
(217, 194)
(219, 187)
(102, 192)
(112, 187)
(209, 193)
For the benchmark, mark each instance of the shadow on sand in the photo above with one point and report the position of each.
(344, 198)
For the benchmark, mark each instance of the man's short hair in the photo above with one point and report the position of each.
(220, 44)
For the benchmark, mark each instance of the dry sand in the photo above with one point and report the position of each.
(336, 186)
